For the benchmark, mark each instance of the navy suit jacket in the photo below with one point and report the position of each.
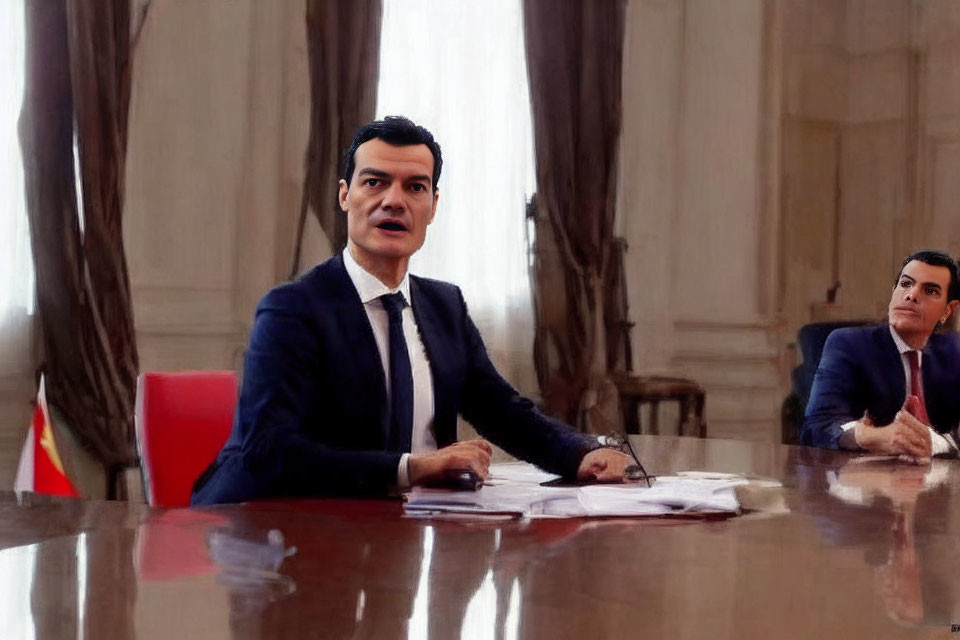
(312, 417)
(861, 370)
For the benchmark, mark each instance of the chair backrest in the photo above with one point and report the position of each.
(182, 420)
(810, 340)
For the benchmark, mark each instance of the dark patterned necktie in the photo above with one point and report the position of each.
(916, 386)
(401, 376)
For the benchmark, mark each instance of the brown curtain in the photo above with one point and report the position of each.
(77, 92)
(574, 57)
(343, 42)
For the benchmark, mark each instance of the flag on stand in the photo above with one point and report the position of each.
(40, 469)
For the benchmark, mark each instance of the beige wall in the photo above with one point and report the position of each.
(218, 126)
(695, 204)
(870, 153)
(769, 150)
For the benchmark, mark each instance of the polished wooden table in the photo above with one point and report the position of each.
(845, 549)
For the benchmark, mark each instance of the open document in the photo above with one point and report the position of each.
(516, 488)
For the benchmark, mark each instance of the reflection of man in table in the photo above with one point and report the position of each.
(894, 388)
(908, 571)
(356, 372)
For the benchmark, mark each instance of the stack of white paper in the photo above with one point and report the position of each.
(515, 488)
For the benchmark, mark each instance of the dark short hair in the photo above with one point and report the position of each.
(937, 259)
(398, 131)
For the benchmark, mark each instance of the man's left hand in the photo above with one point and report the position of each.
(603, 465)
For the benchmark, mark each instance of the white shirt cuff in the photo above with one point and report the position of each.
(403, 473)
(848, 440)
(940, 444)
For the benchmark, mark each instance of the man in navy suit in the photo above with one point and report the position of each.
(894, 388)
(356, 372)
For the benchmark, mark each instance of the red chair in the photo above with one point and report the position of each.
(182, 420)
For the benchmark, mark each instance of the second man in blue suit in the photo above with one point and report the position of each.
(894, 388)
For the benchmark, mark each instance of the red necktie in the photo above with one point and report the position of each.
(916, 387)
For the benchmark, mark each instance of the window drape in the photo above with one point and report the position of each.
(343, 44)
(75, 116)
(457, 67)
(574, 58)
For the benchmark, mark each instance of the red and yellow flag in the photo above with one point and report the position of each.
(40, 469)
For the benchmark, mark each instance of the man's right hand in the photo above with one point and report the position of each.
(904, 436)
(435, 467)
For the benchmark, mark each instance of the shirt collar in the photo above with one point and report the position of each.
(902, 346)
(367, 285)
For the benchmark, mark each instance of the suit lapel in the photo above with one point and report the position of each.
(928, 369)
(891, 366)
(941, 379)
(360, 346)
(435, 343)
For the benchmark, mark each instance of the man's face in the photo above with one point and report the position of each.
(919, 300)
(389, 203)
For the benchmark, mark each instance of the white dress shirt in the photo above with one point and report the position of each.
(370, 289)
(939, 443)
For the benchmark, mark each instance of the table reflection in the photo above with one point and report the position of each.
(433, 579)
(886, 495)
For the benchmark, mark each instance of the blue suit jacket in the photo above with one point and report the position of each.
(861, 370)
(312, 417)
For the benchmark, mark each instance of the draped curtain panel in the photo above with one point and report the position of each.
(343, 42)
(574, 58)
(76, 93)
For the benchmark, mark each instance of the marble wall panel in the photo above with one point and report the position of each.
(937, 22)
(716, 230)
(816, 24)
(827, 20)
(944, 214)
(816, 85)
(796, 26)
(878, 87)
(691, 205)
(941, 81)
(218, 124)
(737, 363)
(809, 218)
(276, 144)
(877, 25)
(872, 215)
(647, 195)
(191, 351)
(186, 134)
(156, 308)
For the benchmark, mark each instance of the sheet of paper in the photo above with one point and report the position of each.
(519, 473)
(673, 492)
(508, 497)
